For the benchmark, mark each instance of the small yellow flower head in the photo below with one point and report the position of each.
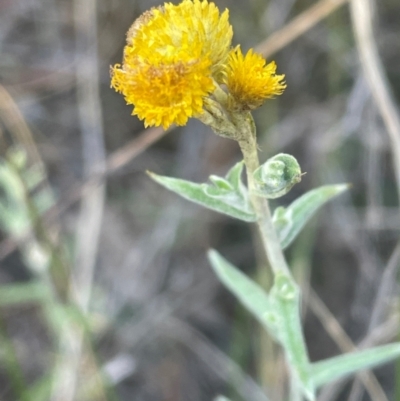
(250, 81)
(172, 57)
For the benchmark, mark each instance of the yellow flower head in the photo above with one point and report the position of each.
(172, 57)
(250, 81)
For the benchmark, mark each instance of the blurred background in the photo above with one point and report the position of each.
(105, 290)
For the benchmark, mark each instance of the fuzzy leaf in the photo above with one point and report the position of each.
(278, 312)
(289, 221)
(234, 175)
(228, 196)
(285, 301)
(221, 183)
(335, 368)
(250, 294)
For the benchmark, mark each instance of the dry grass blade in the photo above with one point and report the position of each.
(72, 340)
(124, 155)
(336, 332)
(382, 334)
(375, 75)
(298, 26)
(12, 117)
(216, 360)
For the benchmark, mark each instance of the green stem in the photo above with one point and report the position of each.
(248, 146)
(285, 292)
(295, 394)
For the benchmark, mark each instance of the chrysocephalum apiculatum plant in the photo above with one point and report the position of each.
(179, 63)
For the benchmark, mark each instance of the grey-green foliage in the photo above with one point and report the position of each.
(277, 176)
(278, 312)
(343, 365)
(225, 195)
(285, 302)
(289, 221)
(249, 293)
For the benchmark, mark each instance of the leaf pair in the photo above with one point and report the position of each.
(230, 196)
(225, 195)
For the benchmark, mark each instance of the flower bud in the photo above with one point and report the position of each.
(277, 176)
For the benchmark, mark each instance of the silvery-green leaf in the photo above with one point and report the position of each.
(221, 398)
(285, 301)
(289, 221)
(250, 294)
(227, 196)
(221, 183)
(340, 366)
(278, 312)
(234, 175)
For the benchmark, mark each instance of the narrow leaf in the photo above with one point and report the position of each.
(221, 398)
(279, 313)
(285, 300)
(289, 221)
(234, 175)
(250, 294)
(340, 366)
(221, 183)
(231, 204)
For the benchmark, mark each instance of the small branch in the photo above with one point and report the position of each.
(72, 338)
(336, 332)
(128, 152)
(248, 146)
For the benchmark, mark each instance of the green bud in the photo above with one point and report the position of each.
(284, 287)
(277, 176)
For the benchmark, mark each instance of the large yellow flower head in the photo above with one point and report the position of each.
(173, 57)
(250, 81)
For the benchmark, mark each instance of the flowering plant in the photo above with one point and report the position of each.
(179, 63)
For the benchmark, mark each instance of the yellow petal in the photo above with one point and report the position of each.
(250, 81)
(172, 57)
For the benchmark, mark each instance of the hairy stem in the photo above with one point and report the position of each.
(272, 246)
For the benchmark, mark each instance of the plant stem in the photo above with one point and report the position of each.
(287, 307)
(272, 246)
